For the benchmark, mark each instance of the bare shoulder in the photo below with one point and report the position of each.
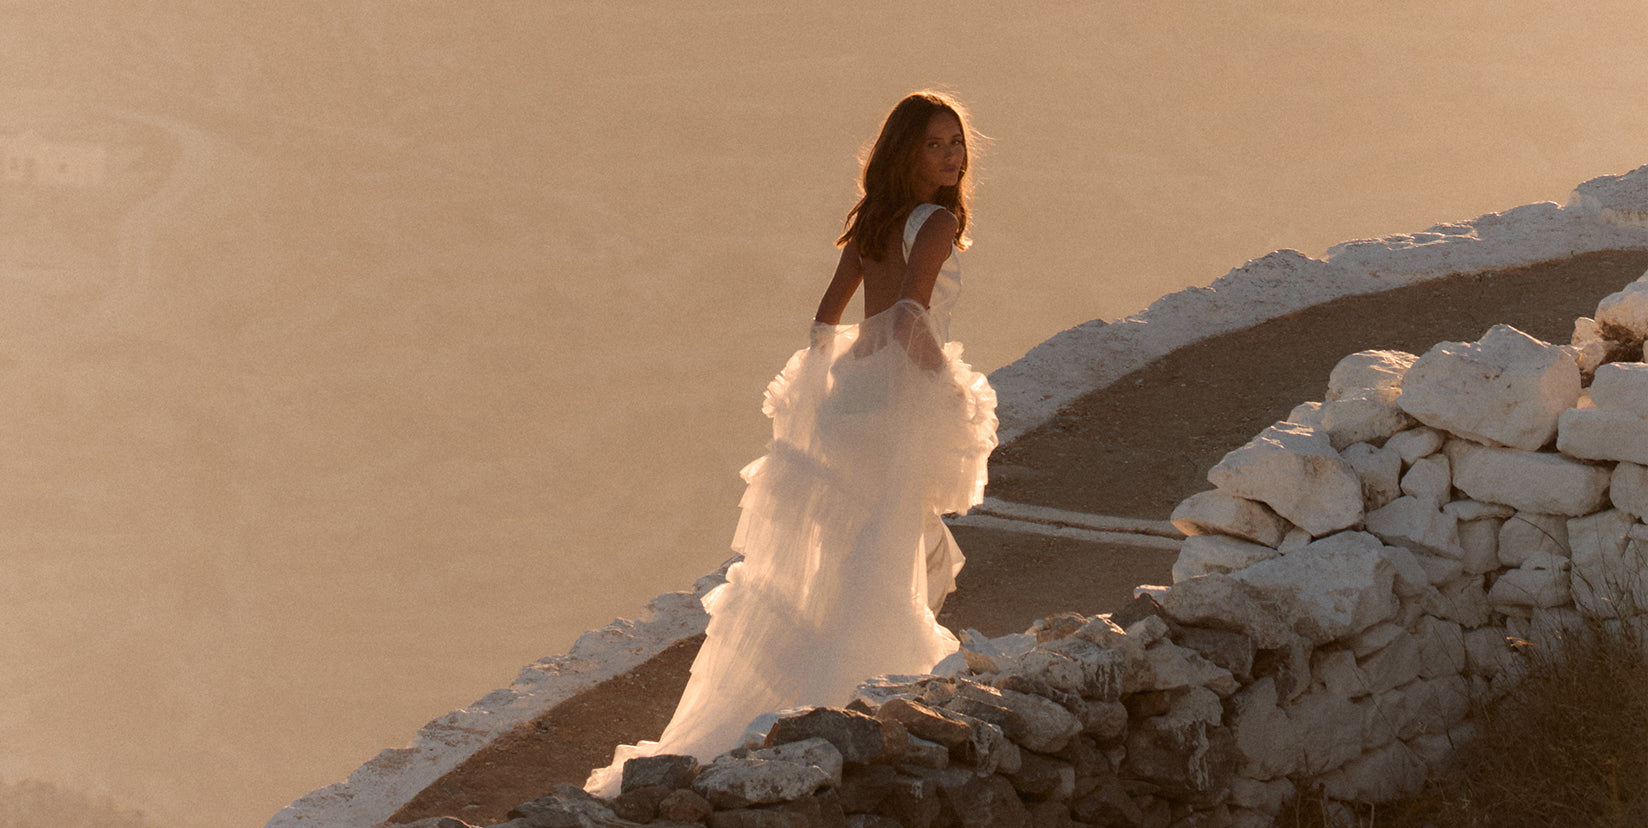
(938, 229)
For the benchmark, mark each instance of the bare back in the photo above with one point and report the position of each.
(883, 280)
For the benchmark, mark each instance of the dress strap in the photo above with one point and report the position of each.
(912, 225)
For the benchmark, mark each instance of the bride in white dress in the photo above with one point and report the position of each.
(878, 429)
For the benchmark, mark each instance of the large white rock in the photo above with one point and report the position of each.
(1218, 512)
(1610, 570)
(1368, 371)
(1628, 489)
(1596, 434)
(1295, 470)
(1621, 387)
(1530, 481)
(1624, 314)
(1334, 587)
(1380, 471)
(1506, 389)
(1418, 525)
(1528, 534)
(1206, 554)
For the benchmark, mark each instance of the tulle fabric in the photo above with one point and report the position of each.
(878, 429)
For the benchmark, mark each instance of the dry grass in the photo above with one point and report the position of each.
(1567, 747)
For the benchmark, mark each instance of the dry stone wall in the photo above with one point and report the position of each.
(1354, 581)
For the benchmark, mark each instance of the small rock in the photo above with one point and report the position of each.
(1206, 554)
(1414, 443)
(664, 770)
(684, 806)
(816, 752)
(740, 783)
(857, 736)
(1628, 489)
(1379, 470)
(1215, 512)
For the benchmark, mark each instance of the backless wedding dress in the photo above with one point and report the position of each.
(845, 557)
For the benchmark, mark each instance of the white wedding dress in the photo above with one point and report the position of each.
(845, 557)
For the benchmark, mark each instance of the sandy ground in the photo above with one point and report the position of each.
(1134, 449)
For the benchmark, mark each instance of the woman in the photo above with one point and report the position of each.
(878, 429)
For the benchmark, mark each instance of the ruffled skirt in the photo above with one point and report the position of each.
(877, 431)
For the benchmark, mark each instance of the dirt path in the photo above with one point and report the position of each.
(1134, 449)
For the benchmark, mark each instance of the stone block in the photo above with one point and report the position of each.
(684, 806)
(1368, 371)
(1628, 489)
(1488, 651)
(1386, 774)
(1375, 638)
(1207, 554)
(1624, 313)
(1441, 648)
(739, 783)
(1595, 434)
(1223, 602)
(1173, 668)
(1233, 651)
(1380, 473)
(1369, 416)
(1479, 543)
(1430, 479)
(816, 752)
(1418, 524)
(1410, 578)
(1334, 587)
(1414, 443)
(1507, 388)
(1609, 576)
(665, 769)
(1394, 665)
(1336, 669)
(859, 737)
(1295, 470)
(1268, 743)
(1047, 726)
(1468, 510)
(1464, 601)
(1528, 534)
(1265, 797)
(1530, 481)
(1621, 387)
(1044, 777)
(1440, 569)
(1434, 705)
(1330, 728)
(1218, 512)
(1540, 582)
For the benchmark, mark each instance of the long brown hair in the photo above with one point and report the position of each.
(888, 187)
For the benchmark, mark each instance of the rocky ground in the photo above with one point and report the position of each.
(1133, 449)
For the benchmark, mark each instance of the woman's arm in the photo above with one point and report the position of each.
(928, 254)
(849, 272)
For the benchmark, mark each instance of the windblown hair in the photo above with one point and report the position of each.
(888, 188)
